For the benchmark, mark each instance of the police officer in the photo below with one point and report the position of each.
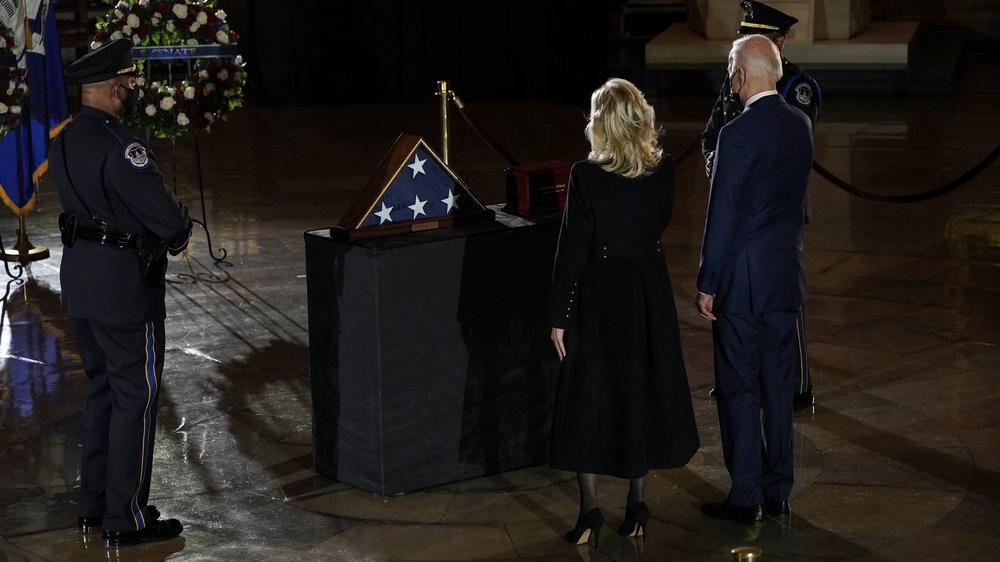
(118, 223)
(799, 90)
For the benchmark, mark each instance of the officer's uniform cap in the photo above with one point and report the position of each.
(761, 18)
(104, 63)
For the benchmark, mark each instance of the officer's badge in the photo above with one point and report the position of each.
(804, 94)
(136, 154)
(748, 10)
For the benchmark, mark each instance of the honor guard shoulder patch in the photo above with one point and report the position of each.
(804, 94)
(136, 154)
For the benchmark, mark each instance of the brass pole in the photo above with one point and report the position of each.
(443, 94)
(29, 42)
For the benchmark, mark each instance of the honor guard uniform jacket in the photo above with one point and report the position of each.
(108, 178)
(119, 218)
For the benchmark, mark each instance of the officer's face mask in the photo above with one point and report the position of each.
(131, 101)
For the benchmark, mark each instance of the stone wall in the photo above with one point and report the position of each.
(982, 17)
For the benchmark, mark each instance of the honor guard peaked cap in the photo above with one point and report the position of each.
(761, 18)
(103, 63)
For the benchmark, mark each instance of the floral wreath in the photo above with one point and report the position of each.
(13, 87)
(195, 102)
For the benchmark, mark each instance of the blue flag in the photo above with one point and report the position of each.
(422, 189)
(24, 150)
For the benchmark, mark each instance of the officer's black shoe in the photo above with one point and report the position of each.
(159, 530)
(803, 401)
(747, 515)
(93, 524)
(777, 509)
(713, 394)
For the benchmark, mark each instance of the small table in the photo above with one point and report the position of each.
(430, 353)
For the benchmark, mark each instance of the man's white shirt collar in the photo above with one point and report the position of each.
(756, 97)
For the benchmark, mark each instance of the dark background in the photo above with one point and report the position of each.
(323, 51)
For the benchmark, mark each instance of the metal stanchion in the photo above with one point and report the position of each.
(444, 94)
(746, 554)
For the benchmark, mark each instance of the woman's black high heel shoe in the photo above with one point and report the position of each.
(587, 526)
(636, 517)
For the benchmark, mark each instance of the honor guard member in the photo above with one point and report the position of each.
(799, 90)
(119, 221)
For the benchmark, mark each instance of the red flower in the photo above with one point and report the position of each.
(163, 8)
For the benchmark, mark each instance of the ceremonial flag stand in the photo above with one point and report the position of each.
(23, 251)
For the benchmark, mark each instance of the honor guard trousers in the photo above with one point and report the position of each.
(124, 364)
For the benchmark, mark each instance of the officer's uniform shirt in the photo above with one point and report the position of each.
(117, 176)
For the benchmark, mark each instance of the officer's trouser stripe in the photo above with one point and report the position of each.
(150, 369)
(802, 360)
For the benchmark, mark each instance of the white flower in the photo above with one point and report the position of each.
(171, 27)
(222, 37)
(15, 109)
(203, 74)
(122, 5)
(209, 88)
(136, 39)
(180, 10)
(238, 60)
(143, 3)
(221, 14)
(126, 30)
(132, 20)
(210, 117)
(119, 14)
(202, 18)
(189, 93)
(156, 20)
(10, 88)
(223, 75)
(3, 43)
(192, 41)
(229, 93)
(167, 103)
(194, 27)
(3, 108)
(140, 80)
(24, 87)
(151, 110)
(183, 120)
(171, 90)
(116, 35)
(93, 45)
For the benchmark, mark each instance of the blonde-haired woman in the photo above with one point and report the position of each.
(623, 405)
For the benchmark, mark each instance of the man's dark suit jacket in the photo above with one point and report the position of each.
(751, 257)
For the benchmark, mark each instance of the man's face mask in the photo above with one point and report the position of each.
(131, 101)
(732, 83)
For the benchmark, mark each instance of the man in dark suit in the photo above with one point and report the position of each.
(119, 222)
(751, 281)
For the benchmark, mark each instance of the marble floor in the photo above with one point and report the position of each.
(899, 460)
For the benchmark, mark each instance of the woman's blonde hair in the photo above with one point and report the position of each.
(622, 130)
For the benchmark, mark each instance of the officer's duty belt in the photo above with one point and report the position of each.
(72, 231)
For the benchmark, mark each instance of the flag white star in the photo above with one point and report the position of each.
(417, 166)
(451, 201)
(385, 215)
(417, 207)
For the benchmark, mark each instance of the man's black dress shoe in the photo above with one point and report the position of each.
(747, 515)
(777, 509)
(803, 401)
(93, 524)
(159, 530)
